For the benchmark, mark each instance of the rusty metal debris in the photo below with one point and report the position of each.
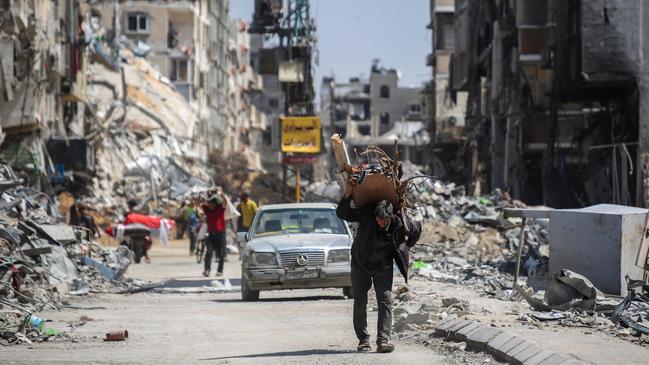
(120, 335)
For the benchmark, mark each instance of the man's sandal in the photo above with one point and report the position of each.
(364, 346)
(384, 347)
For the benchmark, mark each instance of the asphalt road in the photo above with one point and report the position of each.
(284, 327)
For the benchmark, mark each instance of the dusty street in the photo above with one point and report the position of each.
(285, 327)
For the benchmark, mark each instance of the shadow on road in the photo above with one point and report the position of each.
(284, 354)
(285, 299)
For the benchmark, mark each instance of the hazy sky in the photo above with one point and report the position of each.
(353, 32)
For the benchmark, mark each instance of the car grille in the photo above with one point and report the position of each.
(288, 259)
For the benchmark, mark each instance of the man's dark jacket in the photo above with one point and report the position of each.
(403, 238)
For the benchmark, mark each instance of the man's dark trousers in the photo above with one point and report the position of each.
(216, 244)
(192, 241)
(361, 284)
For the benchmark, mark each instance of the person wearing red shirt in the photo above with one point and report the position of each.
(214, 211)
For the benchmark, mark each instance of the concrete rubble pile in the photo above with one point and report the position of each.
(466, 239)
(143, 132)
(43, 260)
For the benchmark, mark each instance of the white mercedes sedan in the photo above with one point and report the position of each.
(296, 246)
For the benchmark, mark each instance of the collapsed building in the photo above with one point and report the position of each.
(43, 58)
(446, 120)
(555, 97)
(187, 42)
(133, 98)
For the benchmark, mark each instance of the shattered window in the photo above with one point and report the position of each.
(137, 23)
(179, 70)
(132, 23)
(143, 26)
(415, 108)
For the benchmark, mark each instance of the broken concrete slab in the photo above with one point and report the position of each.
(477, 340)
(520, 357)
(460, 325)
(404, 309)
(61, 233)
(447, 302)
(500, 351)
(451, 327)
(462, 333)
(417, 318)
(502, 345)
(522, 347)
(539, 357)
(441, 329)
(499, 340)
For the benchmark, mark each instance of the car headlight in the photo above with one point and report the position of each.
(263, 259)
(338, 256)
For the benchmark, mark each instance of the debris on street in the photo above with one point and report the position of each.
(43, 261)
(121, 335)
(467, 241)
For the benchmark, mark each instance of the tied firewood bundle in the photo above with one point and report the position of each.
(376, 176)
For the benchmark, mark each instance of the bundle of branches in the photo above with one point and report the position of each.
(381, 174)
(379, 162)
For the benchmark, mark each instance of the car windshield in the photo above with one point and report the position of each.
(288, 221)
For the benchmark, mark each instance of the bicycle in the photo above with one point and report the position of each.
(201, 237)
(200, 249)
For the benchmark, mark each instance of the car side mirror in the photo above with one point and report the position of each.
(242, 237)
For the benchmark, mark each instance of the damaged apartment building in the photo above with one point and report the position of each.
(187, 41)
(94, 93)
(247, 123)
(376, 112)
(446, 110)
(43, 59)
(556, 97)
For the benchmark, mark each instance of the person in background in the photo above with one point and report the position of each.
(248, 209)
(214, 210)
(87, 221)
(133, 216)
(132, 207)
(181, 222)
(75, 215)
(194, 223)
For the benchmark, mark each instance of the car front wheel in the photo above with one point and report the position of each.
(247, 294)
